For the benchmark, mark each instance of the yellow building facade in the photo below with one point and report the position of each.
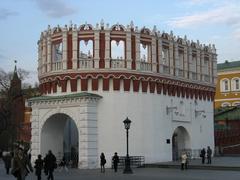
(228, 85)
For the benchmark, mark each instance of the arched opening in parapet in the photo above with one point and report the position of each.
(57, 51)
(117, 54)
(145, 52)
(60, 134)
(117, 50)
(86, 49)
(180, 142)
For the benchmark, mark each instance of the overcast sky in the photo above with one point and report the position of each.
(210, 21)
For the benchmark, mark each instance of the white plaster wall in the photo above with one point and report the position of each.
(151, 125)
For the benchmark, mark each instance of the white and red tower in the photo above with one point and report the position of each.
(98, 76)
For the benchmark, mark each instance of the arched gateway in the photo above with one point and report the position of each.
(53, 116)
(158, 80)
(180, 142)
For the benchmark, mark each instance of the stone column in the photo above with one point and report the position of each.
(44, 55)
(74, 48)
(107, 49)
(49, 53)
(154, 60)
(185, 56)
(87, 126)
(96, 49)
(202, 66)
(35, 134)
(198, 65)
(176, 59)
(160, 60)
(40, 57)
(137, 51)
(210, 70)
(128, 50)
(64, 41)
(190, 70)
(214, 68)
(171, 58)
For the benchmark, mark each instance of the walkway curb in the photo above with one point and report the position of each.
(201, 167)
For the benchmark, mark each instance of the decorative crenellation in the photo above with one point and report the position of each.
(139, 83)
(168, 58)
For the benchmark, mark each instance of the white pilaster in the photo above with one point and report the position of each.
(154, 60)
(44, 55)
(185, 61)
(64, 56)
(202, 66)
(75, 48)
(176, 58)
(107, 49)
(160, 60)
(190, 62)
(49, 53)
(128, 50)
(88, 151)
(96, 49)
(137, 39)
(198, 65)
(171, 58)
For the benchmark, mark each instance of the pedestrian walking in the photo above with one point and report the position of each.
(50, 162)
(202, 155)
(63, 165)
(21, 165)
(7, 159)
(115, 161)
(209, 155)
(102, 162)
(38, 167)
(184, 161)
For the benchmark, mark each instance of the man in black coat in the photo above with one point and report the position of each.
(50, 163)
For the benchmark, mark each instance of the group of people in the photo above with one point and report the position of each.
(103, 161)
(209, 155)
(19, 161)
(48, 164)
(203, 154)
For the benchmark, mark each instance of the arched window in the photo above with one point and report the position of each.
(145, 50)
(86, 49)
(237, 103)
(235, 84)
(117, 50)
(225, 85)
(226, 104)
(57, 52)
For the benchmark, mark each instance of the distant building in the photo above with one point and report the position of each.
(228, 85)
(163, 83)
(227, 108)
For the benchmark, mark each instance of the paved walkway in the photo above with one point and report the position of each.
(218, 163)
(143, 173)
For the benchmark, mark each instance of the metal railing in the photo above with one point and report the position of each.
(85, 63)
(56, 65)
(117, 63)
(145, 66)
(135, 161)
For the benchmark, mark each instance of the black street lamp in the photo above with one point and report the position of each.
(127, 169)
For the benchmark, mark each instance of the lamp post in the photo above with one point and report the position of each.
(127, 169)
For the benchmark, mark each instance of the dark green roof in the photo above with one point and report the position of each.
(69, 96)
(230, 113)
(234, 65)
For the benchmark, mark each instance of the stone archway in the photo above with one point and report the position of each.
(180, 142)
(60, 134)
(79, 107)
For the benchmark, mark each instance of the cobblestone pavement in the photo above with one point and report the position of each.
(139, 174)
